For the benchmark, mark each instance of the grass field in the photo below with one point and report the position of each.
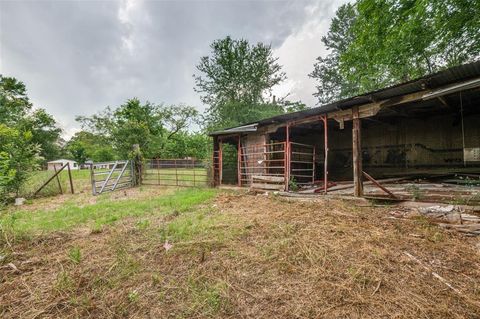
(157, 252)
(177, 177)
(81, 181)
(102, 210)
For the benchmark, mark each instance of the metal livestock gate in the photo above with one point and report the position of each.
(273, 166)
(110, 176)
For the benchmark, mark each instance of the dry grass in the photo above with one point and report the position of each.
(244, 256)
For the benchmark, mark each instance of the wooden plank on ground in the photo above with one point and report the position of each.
(273, 179)
(267, 186)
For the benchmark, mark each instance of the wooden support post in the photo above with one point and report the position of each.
(92, 178)
(158, 171)
(58, 179)
(357, 154)
(70, 177)
(137, 165)
(193, 166)
(176, 172)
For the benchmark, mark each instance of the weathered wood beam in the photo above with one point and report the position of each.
(357, 153)
(371, 109)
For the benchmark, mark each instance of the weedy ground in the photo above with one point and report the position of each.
(232, 255)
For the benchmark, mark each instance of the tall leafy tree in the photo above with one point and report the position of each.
(45, 133)
(391, 41)
(14, 102)
(332, 84)
(235, 81)
(20, 149)
(16, 111)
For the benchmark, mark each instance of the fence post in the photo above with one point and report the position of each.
(70, 177)
(158, 170)
(176, 173)
(193, 165)
(58, 180)
(92, 178)
(137, 160)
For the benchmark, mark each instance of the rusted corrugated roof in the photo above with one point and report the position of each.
(452, 75)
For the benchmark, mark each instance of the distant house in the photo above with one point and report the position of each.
(57, 164)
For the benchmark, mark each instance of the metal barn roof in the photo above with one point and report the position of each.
(432, 81)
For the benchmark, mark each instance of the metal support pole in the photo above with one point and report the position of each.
(239, 161)
(287, 157)
(220, 163)
(215, 161)
(313, 164)
(325, 164)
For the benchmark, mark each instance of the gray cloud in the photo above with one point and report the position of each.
(78, 57)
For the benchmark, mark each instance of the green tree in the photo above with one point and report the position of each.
(187, 144)
(148, 125)
(18, 157)
(16, 111)
(25, 136)
(14, 102)
(85, 146)
(382, 42)
(45, 133)
(235, 81)
(331, 82)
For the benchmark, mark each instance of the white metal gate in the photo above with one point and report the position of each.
(110, 176)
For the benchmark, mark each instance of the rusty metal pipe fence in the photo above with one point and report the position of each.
(302, 164)
(270, 166)
(175, 172)
(263, 163)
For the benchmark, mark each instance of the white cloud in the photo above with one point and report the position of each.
(300, 49)
(77, 57)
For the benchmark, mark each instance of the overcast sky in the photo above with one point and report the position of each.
(77, 57)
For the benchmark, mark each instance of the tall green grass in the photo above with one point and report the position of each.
(101, 213)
